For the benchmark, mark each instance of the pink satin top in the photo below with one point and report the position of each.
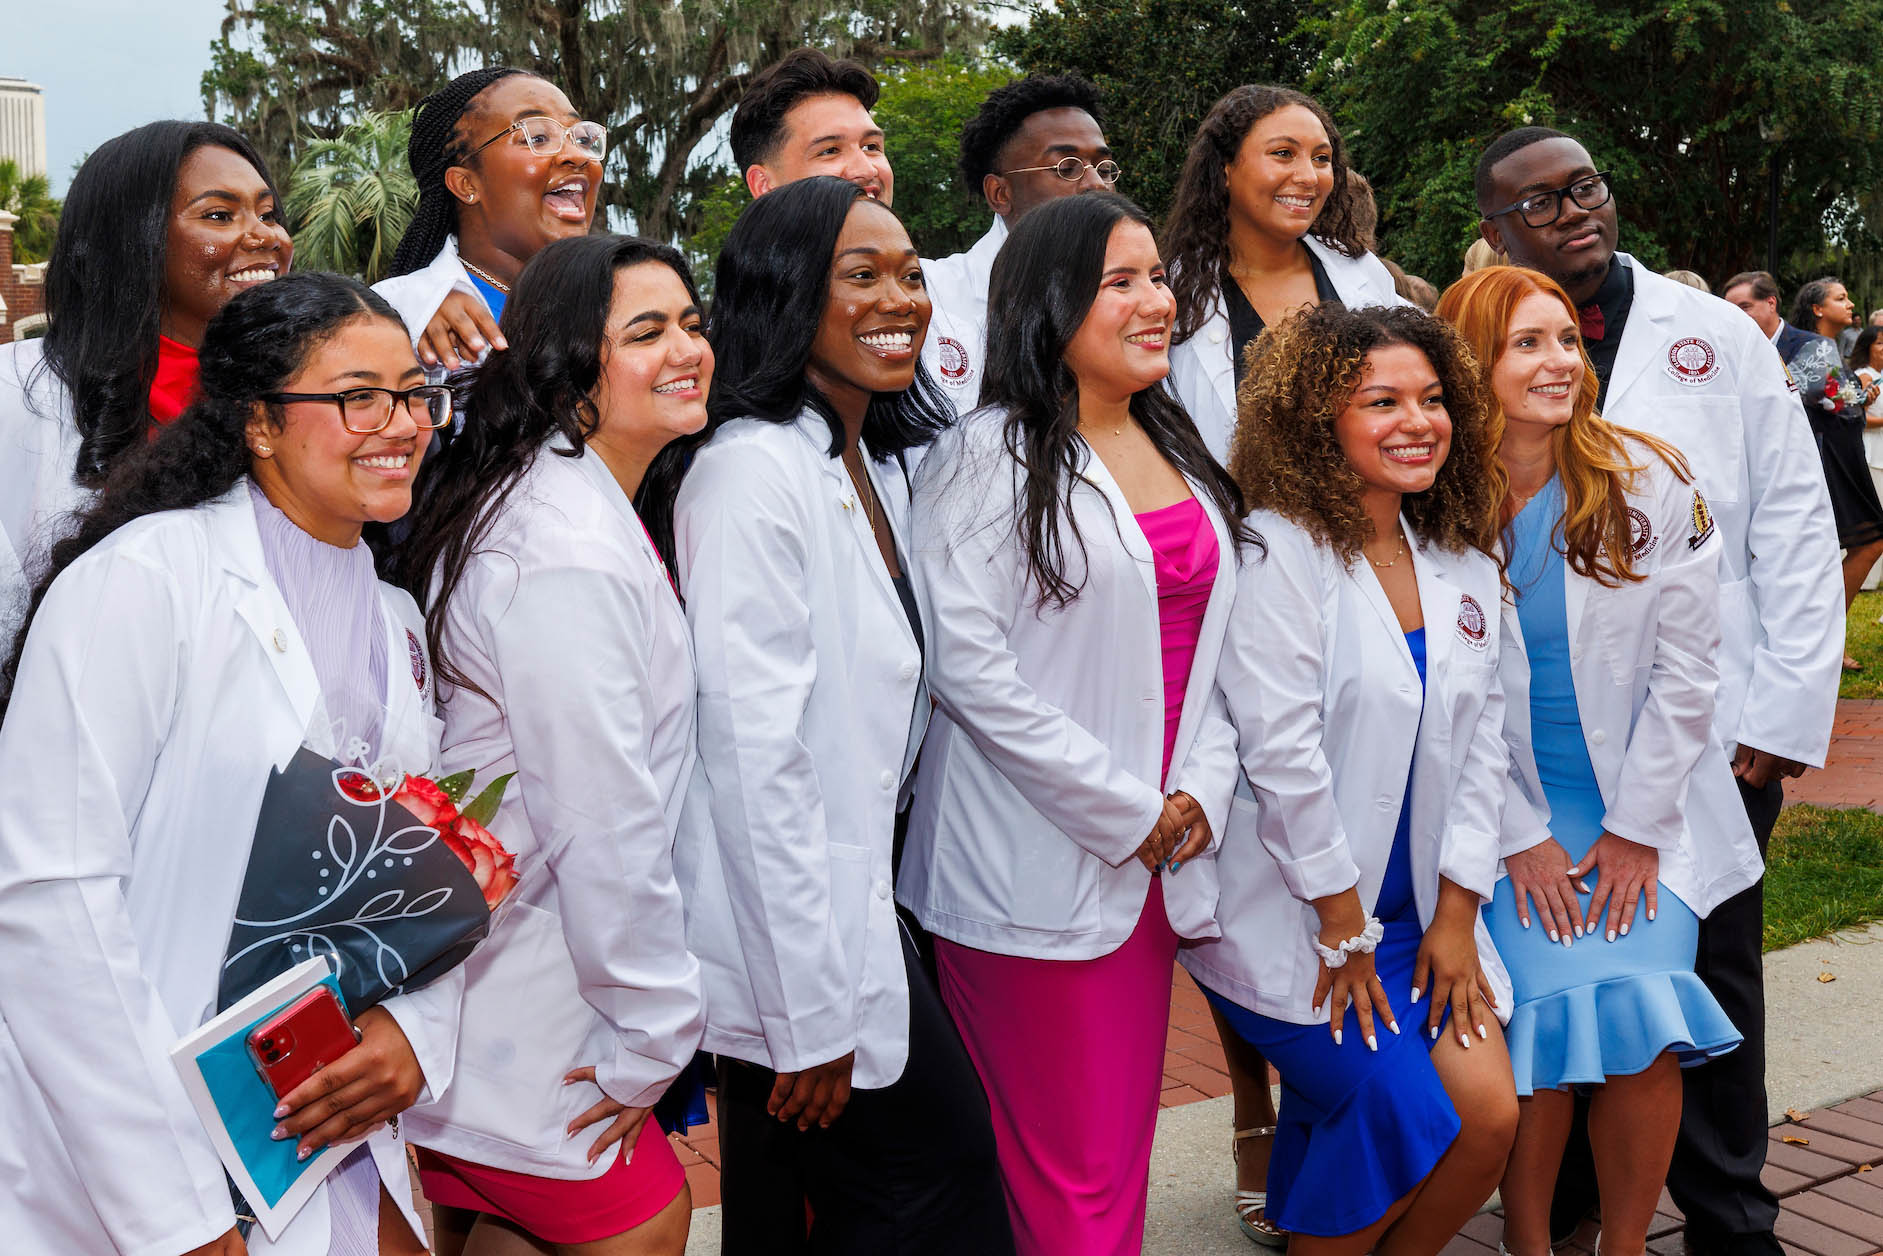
(1184, 546)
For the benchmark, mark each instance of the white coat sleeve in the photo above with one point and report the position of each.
(1208, 773)
(1794, 575)
(965, 544)
(1468, 850)
(429, 1019)
(1272, 675)
(741, 537)
(572, 646)
(93, 701)
(1670, 733)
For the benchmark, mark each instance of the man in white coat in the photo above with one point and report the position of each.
(1690, 368)
(1032, 141)
(810, 115)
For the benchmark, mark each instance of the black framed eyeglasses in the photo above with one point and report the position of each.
(1072, 169)
(364, 411)
(546, 136)
(1540, 209)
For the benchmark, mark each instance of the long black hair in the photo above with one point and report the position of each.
(105, 282)
(434, 147)
(1044, 281)
(253, 346)
(537, 389)
(769, 294)
(1860, 352)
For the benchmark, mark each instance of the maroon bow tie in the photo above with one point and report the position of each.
(1589, 319)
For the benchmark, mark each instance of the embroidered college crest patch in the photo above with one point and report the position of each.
(1472, 628)
(953, 359)
(1641, 538)
(1702, 522)
(417, 652)
(1691, 360)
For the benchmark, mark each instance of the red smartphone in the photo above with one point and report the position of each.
(306, 1035)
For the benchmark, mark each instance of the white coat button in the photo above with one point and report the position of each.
(888, 780)
(1597, 737)
(908, 671)
(281, 642)
(1384, 804)
(882, 889)
(1216, 336)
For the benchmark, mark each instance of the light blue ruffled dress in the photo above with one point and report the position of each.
(1595, 1009)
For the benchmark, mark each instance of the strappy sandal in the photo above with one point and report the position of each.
(1252, 1206)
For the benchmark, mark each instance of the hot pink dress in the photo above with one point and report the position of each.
(1072, 1051)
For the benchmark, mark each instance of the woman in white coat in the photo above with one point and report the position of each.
(1267, 218)
(1360, 673)
(504, 167)
(563, 657)
(213, 611)
(1077, 545)
(841, 1082)
(1624, 826)
(162, 225)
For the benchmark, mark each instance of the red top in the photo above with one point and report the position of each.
(174, 386)
(1184, 546)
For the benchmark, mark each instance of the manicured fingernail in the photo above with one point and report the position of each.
(1466, 1039)
(281, 1111)
(1566, 939)
(1554, 936)
(1481, 1034)
(1176, 864)
(1578, 930)
(1415, 994)
(278, 1133)
(1393, 1025)
(1372, 1043)
(477, 342)
(1337, 1037)
(1650, 913)
(1524, 921)
(1435, 1033)
(1573, 872)
(501, 342)
(303, 1153)
(1611, 935)
(1624, 931)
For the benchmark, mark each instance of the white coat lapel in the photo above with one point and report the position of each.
(1221, 359)
(1128, 530)
(1649, 323)
(1438, 606)
(845, 499)
(1363, 575)
(1209, 636)
(237, 539)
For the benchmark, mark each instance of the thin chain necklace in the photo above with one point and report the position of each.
(867, 492)
(485, 275)
(1398, 553)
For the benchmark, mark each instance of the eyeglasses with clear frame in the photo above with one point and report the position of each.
(546, 137)
(1072, 169)
(364, 411)
(1540, 209)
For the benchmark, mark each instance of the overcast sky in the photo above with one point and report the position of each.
(109, 65)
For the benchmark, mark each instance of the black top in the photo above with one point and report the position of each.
(906, 592)
(1613, 299)
(1245, 324)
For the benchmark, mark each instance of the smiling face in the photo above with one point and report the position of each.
(1394, 430)
(1123, 346)
(1282, 174)
(1836, 311)
(1576, 248)
(875, 315)
(1538, 374)
(656, 368)
(224, 235)
(328, 480)
(1045, 139)
(832, 134)
(511, 202)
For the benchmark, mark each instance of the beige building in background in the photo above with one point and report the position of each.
(23, 124)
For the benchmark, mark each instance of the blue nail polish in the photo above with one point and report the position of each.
(1175, 864)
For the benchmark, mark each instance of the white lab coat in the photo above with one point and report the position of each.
(1203, 372)
(566, 618)
(955, 349)
(162, 683)
(811, 707)
(38, 453)
(1041, 775)
(1333, 730)
(1727, 404)
(1643, 661)
(417, 296)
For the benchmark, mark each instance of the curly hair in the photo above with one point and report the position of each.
(1006, 110)
(1196, 234)
(1285, 456)
(1804, 314)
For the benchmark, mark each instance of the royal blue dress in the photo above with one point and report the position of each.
(1356, 1129)
(1594, 1009)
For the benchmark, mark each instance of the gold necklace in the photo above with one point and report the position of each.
(867, 492)
(1398, 553)
(485, 275)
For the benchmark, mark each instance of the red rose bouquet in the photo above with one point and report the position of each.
(435, 804)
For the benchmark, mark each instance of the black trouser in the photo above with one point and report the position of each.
(1714, 1178)
(1715, 1175)
(908, 1170)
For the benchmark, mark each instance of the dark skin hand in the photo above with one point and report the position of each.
(624, 1123)
(817, 1096)
(371, 1084)
(1448, 966)
(1759, 769)
(459, 332)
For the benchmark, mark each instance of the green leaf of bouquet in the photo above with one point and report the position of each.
(483, 808)
(457, 785)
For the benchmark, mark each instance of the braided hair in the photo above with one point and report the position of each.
(433, 149)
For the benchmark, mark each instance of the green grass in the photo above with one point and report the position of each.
(1824, 872)
(1864, 642)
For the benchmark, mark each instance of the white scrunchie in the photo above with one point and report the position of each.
(1364, 944)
